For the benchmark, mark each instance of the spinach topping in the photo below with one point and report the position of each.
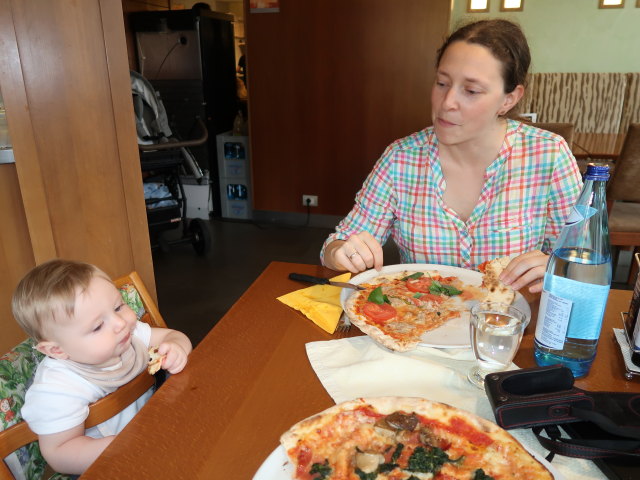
(427, 461)
(387, 467)
(366, 476)
(413, 276)
(396, 453)
(322, 469)
(376, 296)
(418, 295)
(480, 475)
(437, 288)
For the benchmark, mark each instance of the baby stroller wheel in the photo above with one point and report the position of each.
(201, 236)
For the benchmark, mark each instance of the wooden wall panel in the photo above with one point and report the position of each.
(65, 82)
(16, 255)
(331, 84)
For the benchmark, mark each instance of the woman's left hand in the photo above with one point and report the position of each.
(526, 269)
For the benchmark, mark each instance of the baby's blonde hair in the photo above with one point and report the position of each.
(49, 290)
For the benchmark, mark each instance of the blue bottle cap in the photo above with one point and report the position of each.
(597, 172)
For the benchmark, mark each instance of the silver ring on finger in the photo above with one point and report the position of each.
(353, 255)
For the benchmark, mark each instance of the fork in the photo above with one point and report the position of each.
(344, 324)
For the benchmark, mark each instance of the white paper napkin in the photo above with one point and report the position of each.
(358, 367)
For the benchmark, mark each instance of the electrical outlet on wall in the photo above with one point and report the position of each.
(310, 200)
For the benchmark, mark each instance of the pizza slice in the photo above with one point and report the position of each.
(498, 291)
(405, 438)
(155, 360)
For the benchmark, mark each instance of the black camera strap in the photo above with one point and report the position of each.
(623, 440)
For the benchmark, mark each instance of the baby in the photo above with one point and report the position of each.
(93, 344)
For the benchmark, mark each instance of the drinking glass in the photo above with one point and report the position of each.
(496, 332)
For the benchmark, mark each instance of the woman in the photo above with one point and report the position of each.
(476, 185)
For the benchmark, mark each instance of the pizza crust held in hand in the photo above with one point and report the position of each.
(498, 291)
(155, 360)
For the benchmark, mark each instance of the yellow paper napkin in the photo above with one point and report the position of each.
(320, 303)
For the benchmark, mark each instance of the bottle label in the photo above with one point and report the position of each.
(575, 308)
(553, 320)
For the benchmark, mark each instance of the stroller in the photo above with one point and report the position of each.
(164, 158)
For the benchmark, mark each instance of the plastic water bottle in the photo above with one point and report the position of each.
(577, 282)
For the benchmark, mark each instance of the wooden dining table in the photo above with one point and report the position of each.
(249, 380)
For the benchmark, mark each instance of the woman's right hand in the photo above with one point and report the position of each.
(359, 252)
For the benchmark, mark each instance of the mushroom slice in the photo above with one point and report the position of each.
(402, 421)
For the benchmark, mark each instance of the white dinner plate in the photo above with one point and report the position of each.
(278, 467)
(455, 332)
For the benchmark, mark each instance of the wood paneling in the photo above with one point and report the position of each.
(65, 81)
(16, 255)
(331, 84)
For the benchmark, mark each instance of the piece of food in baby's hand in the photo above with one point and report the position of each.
(155, 360)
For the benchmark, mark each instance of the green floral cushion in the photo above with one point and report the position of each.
(17, 368)
(132, 298)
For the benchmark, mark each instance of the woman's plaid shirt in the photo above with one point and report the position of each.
(528, 192)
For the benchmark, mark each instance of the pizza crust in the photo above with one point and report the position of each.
(324, 421)
(155, 360)
(498, 291)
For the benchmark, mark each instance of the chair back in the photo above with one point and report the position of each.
(623, 184)
(565, 130)
(18, 366)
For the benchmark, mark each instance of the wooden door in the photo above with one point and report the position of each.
(65, 81)
(331, 84)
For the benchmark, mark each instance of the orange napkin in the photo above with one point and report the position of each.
(320, 303)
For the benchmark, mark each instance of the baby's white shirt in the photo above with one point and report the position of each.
(59, 399)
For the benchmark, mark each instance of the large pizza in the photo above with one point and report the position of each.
(396, 309)
(401, 438)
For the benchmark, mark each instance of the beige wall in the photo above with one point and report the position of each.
(572, 35)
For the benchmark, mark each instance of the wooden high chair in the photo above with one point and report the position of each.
(23, 360)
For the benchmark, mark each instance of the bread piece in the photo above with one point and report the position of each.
(155, 360)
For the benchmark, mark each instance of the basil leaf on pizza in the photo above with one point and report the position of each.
(402, 438)
(376, 296)
(413, 276)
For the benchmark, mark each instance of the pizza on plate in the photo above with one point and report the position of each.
(398, 308)
(404, 438)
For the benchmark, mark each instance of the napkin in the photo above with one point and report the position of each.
(320, 303)
(358, 367)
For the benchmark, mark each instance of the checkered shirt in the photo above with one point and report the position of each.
(528, 192)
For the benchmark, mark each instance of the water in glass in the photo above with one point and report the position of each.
(496, 332)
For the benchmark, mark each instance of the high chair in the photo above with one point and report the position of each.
(17, 442)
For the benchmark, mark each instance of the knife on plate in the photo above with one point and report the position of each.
(322, 281)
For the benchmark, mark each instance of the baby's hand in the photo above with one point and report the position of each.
(175, 356)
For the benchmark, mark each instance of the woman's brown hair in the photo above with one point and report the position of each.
(505, 40)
